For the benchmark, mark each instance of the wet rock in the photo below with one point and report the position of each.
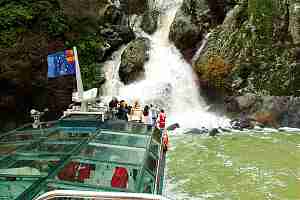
(193, 20)
(173, 127)
(213, 132)
(266, 111)
(247, 101)
(231, 104)
(149, 21)
(203, 130)
(115, 36)
(133, 60)
(231, 20)
(224, 129)
(186, 31)
(242, 123)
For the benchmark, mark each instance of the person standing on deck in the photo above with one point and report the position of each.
(136, 114)
(153, 113)
(122, 111)
(147, 117)
(161, 121)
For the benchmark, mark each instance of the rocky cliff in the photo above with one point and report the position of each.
(253, 47)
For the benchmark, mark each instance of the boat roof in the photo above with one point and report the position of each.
(79, 152)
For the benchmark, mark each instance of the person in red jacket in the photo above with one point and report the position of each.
(120, 178)
(165, 141)
(161, 121)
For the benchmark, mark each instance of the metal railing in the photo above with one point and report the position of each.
(80, 195)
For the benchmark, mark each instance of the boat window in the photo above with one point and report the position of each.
(48, 147)
(9, 148)
(68, 135)
(113, 153)
(123, 126)
(11, 189)
(122, 139)
(26, 168)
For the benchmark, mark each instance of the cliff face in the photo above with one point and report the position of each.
(32, 29)
(253, 47)
(253, 50)
(193, 20)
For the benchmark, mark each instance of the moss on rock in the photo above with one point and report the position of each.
(133, 59)
(255, 41)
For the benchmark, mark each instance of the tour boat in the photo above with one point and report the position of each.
(86, 154)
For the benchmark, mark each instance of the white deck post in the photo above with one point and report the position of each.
(79, 82)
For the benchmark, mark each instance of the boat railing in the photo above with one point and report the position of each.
(160, 169)
(91, 195)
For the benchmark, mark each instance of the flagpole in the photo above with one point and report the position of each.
(79, 82)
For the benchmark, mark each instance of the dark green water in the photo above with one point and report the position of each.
(239, 166)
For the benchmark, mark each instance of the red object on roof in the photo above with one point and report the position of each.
(120, 178)
(69, 172)
(84, 172)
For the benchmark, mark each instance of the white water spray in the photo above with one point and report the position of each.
(169, 79)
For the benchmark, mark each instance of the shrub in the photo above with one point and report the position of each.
(215, 71)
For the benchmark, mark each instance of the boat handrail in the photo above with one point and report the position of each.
(159, 164)
(52, 195)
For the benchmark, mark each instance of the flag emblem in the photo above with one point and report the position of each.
(61, 63)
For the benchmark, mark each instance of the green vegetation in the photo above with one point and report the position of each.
(89, 50)
(46, 18)
(239, 166)
(259, 48)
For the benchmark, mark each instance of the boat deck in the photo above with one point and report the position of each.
(78, 153)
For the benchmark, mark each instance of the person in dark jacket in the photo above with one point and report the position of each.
(122, 111)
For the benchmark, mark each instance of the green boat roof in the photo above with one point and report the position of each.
(34, 161)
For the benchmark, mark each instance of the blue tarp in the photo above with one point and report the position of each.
(61, 63)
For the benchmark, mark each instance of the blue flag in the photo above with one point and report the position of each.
(61, 63)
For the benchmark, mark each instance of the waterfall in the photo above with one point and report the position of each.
(169, 80)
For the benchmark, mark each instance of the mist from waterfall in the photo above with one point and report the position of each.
(169, 80)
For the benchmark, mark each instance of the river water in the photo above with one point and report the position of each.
(234, 166)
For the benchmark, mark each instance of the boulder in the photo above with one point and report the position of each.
(133, 59)
(198, 131)
(213, 132)
(149, 21)
(115, 36)
(267, 111)
(189, 24)
(246, 101)
(193, 20)
(173, 127)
